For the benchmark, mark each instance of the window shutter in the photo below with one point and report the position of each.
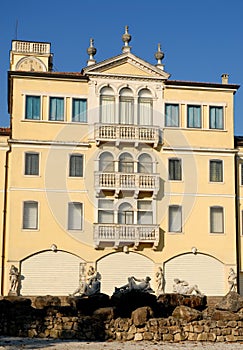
(175, 219)
(30, 216)
(216, 220)
(75, 216)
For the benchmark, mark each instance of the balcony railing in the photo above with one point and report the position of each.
(119, 235)
(127, 133)
(31, 47)
(127, 181)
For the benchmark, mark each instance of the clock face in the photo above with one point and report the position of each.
(31, 65)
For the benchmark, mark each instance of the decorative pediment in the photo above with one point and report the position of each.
(126, 65)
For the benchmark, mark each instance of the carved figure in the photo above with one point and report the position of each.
(143, 285)
(183, 287)
(160, 281)
(14, 279)
(92, 285)
(232, 280)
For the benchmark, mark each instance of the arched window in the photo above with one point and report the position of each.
(106, 162)
(126, 106)
(107, 105)
(126, 163)
(145, 164)
(125, 214)
(145, 107)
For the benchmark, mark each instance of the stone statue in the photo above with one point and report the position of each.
(143, 285)
(160, 281)
(14, 279)
(183, 287)
(92, 284)
(232, 280)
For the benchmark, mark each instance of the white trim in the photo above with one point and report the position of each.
(46, 190)
(197, 102)
(47, 144)
(200, 88)
(51, 94)
(228, 152)
(183, 194)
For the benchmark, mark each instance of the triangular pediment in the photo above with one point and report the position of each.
(126, 65)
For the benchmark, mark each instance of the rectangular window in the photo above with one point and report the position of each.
(76, 165)
(241, 223)
(75, 213)
(216, 220)
(79, 110)
(106, 211)
(241, 174)
(216, 171)
(194, 116)
(32, 107)
(145, 213)
(175, 169)
(31, 164)
(30, 215)
(175, 218)
(107, 109)
(56, 108)
(216, 120)
(171, 115)
(145, 111)
(126, 110)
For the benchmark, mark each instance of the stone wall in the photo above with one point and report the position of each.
(103, 318)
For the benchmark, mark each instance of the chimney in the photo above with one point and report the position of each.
(225, 78)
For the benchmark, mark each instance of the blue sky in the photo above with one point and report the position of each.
(201, 39)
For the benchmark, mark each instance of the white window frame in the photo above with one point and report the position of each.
(32, 153)
(170, 225)
(222, 164)
(69, 166)
(180, 161)
(70, 225)
(210, 220)
(29, 227)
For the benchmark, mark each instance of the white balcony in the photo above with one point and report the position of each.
(120, 235)
(31, 47)
(127, 181)
(127, 133)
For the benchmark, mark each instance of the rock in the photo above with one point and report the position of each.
(87, 305)
(232, 302)
(169, 301)
(219, 315)
(48, 300)
(141, 315)
(126, 303)
(104, 313)
(186, 313)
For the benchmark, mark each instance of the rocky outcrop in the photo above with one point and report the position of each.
(186, 313)
(232, 302)
(95, 318)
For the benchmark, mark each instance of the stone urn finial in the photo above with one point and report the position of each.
(126, 38)
(91, 51)
(159, 55)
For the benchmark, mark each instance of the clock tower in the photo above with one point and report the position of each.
(30, 56)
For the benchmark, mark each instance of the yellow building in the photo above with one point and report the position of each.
(120, 168)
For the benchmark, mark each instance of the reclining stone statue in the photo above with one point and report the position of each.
(183, 287)
(143, 285)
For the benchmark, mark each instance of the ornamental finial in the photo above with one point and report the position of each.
(159, 55)
(126, 38)
(91, 51)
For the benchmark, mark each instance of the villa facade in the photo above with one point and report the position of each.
(121, 168)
